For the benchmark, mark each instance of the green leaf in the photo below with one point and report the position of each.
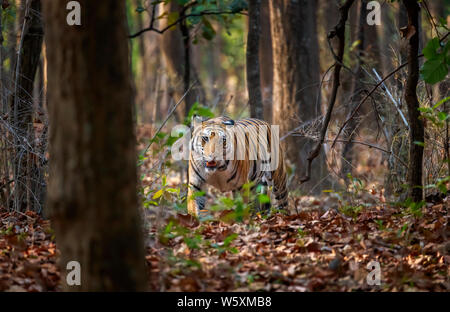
(158, 194)
(425, 109)
(263, 198)
(434, 70)
(228, 202)
(208, 31)
(172, 17)
(442, 116)
(229, 239)
(173, 190)
(430, 50)
(435, 67)
(441, 102)
(419, 143)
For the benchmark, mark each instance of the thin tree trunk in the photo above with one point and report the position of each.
(348, 152)
(173, 51)
(253, 71)
(176, 49)
(22, 100)
(266, 61)
(92, 195)
(416, 133)
(296, 82)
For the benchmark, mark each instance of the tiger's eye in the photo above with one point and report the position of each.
(205, 139)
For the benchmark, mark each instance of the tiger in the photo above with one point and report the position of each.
(227, 154)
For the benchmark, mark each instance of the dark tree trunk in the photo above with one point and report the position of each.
(176, 49)
(296, 82)
(348, 152)
(416, 133)
(253, 68)
(266, 61)
(92, 195)
(22, 102)
(177, 61)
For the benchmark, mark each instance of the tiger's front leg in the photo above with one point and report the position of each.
(195, 203)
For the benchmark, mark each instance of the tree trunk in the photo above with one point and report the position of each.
(266, 61)
(176, 51)
(253, 75)
(22, 102)
(348, 153)
(416, 133)
(296, 82)
(92, 195)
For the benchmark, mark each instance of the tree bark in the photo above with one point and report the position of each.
(176, 49)
(296, 82)
(416, 133)
(22, 102)
(92, 194)
(266, 61)
(348, 153)
(253, 68)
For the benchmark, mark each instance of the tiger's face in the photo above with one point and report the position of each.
(212, 145)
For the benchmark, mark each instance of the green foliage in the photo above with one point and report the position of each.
(242, 205)
(226, 245)
(381, 227)
(8, 17)
(351, 211)
(301, 233)
(163, 196)
(412, 208)
(201, 13)
(351, 203)
(437, 61)
(198, 110)
(194, 239)
(441, 184)
(438, 118)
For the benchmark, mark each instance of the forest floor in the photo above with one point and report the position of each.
(309, 251)
(324, 244)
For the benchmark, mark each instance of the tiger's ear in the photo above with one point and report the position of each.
(228, 122)
(196, 121)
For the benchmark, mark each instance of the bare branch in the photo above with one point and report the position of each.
(339, 32)
(179, 20)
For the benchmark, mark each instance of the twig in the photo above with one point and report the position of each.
(16, 101)
(179, 20)
(167, 117)
(373, 90)
(5, 184)
(392, 98)
(371, 146)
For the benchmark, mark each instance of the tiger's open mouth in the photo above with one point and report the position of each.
(211, 164)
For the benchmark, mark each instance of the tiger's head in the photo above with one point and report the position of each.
(212, 143)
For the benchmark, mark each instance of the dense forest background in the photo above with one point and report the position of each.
(86, 120)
